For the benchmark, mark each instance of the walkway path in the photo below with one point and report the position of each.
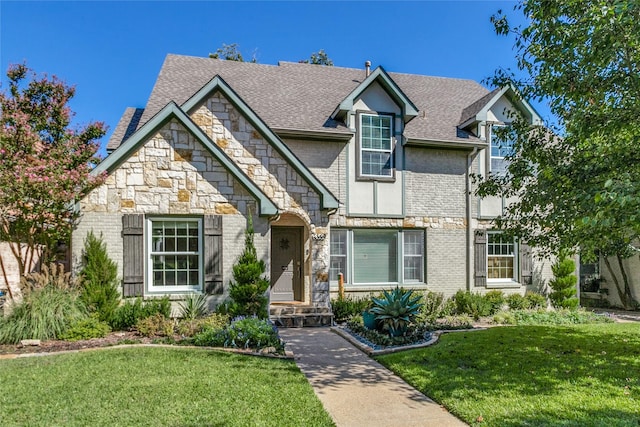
(355, 389)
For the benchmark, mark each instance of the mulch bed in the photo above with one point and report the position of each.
(112, 339)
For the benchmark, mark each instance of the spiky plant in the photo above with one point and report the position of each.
(396, 309)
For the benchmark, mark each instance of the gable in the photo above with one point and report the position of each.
(497, 106)
(375, 98)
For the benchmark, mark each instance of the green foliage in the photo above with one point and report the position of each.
(248, 289)
(496, 300)
(564, 283)
(189, 328)
(396, 309)
(518, 302)
(319, 58)
(473, 304)
(127, 315)
(156, 325)
(535, 300)
(345, 307)
(504, 317)
(193, 307)
(413, 334)
(99, 279)
(45, 314)
(558, 317)
(433, 305)
(243, 332)
(459, 321)
(229, 52)
(86, 329)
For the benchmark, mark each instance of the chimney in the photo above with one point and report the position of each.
(367, 68)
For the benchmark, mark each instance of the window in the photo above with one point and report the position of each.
(175, 254)
(377, 256)
(376, 145)
(501, 147)
(501, 256)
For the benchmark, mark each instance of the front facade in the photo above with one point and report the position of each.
(344, 172)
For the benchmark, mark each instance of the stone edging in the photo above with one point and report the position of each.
(435, 335)
(287, 356)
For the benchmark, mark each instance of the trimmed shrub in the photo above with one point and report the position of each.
(345, 307)
(473, 304)
(45, 313)
(564, 283)
(535, 300)
(156, 325)
(504, 317)
(99, 279)
(496, 300)
(127, 315)
(517, 302)
(86, 329)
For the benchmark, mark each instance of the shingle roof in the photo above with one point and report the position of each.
(473, 109)
(303, 96)
(127, 125)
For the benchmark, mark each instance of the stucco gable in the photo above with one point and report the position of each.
(483, 108)
(172, 112)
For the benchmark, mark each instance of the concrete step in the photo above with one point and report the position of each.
(302, 320)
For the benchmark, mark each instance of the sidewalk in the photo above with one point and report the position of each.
(356, 390)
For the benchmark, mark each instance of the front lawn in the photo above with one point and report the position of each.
(156, 387)
(583, 375)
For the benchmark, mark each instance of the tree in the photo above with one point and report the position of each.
(564, 283)
(248, 290)
(45, 167)
(578, 191)
(230, 52)
(318, 58)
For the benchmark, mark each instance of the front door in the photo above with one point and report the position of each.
(286, 263)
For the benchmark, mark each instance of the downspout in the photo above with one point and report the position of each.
(469, 227)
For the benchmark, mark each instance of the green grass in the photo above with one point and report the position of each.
(582, 375)
(156, 387)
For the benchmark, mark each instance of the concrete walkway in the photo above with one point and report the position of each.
(356, 390)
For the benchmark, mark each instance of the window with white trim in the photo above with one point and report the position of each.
(501, 258)
(175, 254)
(501, 147)
(376, 145)
(377, 256)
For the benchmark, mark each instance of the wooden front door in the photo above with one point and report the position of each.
(286, 263)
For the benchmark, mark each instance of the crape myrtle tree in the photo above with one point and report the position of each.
(45, 167)
(576, 183)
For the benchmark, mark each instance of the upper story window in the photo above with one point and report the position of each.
(501, 147)
(376, 145)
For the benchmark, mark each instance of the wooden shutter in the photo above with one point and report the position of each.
(526, 264)
(133, 255)
(213, 254)
(480, 257)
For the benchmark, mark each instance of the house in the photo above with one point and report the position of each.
(354, 171)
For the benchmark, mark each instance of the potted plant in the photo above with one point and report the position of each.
(369, 319)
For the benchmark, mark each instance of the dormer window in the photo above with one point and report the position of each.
(375, 145)
(501, 147)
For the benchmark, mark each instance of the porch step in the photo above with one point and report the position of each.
(300, 316)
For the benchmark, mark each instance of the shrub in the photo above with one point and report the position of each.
(99, 279)
(396, 309)
(247, 291)
(86, 329)
(45, 313)
(50, 276)
(193, 307)
(496, 300)
(504, 318)
(414, 334)
(156, 325)
(243, 332)
(189, 328)
(460, 321)
(345, 307)
(535, 300)
(127, 315)
(433, 305)
(564, 283)
(517, 302)
(473, 304)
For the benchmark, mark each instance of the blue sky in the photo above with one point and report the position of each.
(112, 51)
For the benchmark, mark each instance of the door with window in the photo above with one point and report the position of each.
(286, 264)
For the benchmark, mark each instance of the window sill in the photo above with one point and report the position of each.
(376, 178)
(503, 285)
(377, 288)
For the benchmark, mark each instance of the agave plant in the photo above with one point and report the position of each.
(395, 309)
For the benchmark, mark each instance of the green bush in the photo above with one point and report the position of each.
(558, 317)
(86, 329)
(496, 300)
(564, 283)
(504, 317)
(460, 321)
(535, 300)
(518, 302)
(156, 325)
(99, 279)
(243, 332)
(189, 328)
(473, 304)
(248, 289)
(45, 313)
(345, 307)
(193, 307)
(127, 315)
(433, 305)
